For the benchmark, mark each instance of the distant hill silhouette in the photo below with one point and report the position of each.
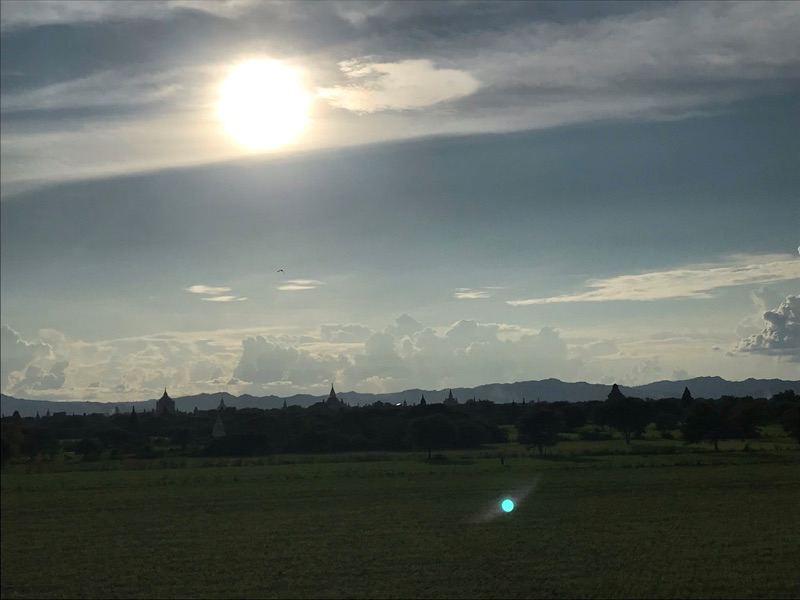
(547, 390)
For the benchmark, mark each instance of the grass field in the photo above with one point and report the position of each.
(649, 523)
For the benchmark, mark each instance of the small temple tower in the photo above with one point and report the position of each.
(165, 405)
(332, 399)
(450, 401)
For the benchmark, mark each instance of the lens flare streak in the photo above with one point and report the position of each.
(505, 504)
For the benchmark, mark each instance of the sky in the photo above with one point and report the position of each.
(454, 194)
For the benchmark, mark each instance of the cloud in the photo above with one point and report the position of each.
(224, 298)
(649, 62)
(345, 333)
(405, 325)
(115, 88)
(17, 355)
(470, 294)
(23, 14)
(694, 281)
(781, 336)
(358, 13)
(206, 370)
(266, 362)
(37, 378)
(205, 289)
(293, 285)
(214, 293)
(404, 85)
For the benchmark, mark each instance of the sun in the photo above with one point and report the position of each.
(262, 104)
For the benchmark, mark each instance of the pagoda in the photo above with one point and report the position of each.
(165, 405)
(332, 399)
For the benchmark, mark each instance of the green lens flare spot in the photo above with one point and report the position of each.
(507, 505)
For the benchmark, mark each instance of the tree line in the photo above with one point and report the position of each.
(322, 428)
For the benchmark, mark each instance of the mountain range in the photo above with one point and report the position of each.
(547, 390)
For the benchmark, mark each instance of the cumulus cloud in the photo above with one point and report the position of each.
(17, 355)
(405, 325)
(293, 285)
(781, 336)
(206, 370)
(266, 362)
(404, 85)
(36, 378)
(694, 281)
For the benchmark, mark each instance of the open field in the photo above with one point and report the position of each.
(645, 524)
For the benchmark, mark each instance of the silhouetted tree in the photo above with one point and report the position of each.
(434, 431)
(90, 448)
(628, 415)
(666, 421)
(704, 423)
(133, 420)
(743, 417)
(539, 428)
(790, 420)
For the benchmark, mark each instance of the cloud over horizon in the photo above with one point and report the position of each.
(693, 281)
(781, 336)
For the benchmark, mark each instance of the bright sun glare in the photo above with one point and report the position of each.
(262, 104)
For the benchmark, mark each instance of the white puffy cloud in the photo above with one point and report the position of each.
(17, 355)
(405, 325)
(266, 362)
(781, 336)
(404, 85)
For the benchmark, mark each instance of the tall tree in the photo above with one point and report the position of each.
(628, 415)
(434, 431)
(704, 422)
(539, 428)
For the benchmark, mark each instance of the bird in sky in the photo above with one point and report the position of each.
(280, 270)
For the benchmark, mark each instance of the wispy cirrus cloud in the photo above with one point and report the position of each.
(475, 293)
(106, 88)
(19, 14)
(694, 281)
(294, 285)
